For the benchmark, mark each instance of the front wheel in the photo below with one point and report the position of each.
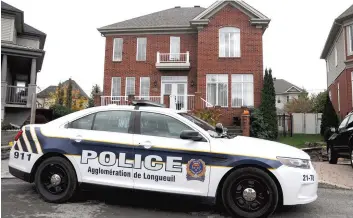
(56, 180)
(250, 192)
(352, 156)
(332, 156)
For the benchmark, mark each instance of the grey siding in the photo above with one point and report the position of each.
(32, 43)
(334, 71)
(7, 29)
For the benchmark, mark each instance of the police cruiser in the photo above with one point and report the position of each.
(147, 147)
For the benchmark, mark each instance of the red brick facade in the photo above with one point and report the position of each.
(345, 84)
(204, 58)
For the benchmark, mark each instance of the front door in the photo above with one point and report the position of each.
(165, 161)
(178, 95)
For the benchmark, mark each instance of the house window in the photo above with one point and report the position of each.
(229, 42)
(174, 48)
(350, 39)
(130, 86)
(338, 97)
(116, 86)
(141, 49)
(217, 89)
(242, 90)
(118, 49)
(336, 58)
(287, 98)
(279, 100)
(144, 87)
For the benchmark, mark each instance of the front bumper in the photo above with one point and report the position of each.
(296, 189)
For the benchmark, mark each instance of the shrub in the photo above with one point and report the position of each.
(210, 115)
(259, 128)
(60, 110)
(329, 117)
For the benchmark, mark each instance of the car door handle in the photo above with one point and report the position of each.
(77, 139)
(146, 144)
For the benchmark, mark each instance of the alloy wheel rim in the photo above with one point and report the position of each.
(54, 179)
(250, 194)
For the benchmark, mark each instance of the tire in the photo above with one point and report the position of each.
(262, 204)
(332, 156)
(351, 155)
(45, 176)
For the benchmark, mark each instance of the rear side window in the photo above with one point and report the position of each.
(112, 121)
(82, 123)
(161, 125)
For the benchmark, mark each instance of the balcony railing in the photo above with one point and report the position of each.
(123, 100)
(173, 61)
(16, 95)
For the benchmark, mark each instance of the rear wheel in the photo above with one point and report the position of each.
(56, 180)
(332, 156)
(250, 192)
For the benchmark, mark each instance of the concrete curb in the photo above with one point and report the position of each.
(324, 184)
(8, 177)
(312, 148)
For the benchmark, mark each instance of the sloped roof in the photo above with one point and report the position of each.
(171, 17)
(46, 92)
(51, 89)
(8, 7)
(336, 26)
(281, 86)
(29, 29)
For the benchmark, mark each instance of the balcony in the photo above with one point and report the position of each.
(173, 61)
(16, 95)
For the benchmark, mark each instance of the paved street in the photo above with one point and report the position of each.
(20, 199)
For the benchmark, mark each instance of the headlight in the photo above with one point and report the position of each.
(294, 162)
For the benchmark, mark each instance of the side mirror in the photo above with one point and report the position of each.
(219, 128)
(333, 129)
(190, 134)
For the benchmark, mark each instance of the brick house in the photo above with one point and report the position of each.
(208, 55)
(338, 54)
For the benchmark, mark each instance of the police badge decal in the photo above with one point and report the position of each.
(196, 170)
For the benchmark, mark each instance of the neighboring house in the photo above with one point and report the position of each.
(285, 92)
(338, 54)
(46, 98)
(213, 52)
(22, 57)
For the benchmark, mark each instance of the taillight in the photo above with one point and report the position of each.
(18, 135)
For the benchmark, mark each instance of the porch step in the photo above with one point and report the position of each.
(234, 130)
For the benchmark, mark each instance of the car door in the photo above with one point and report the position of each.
(163, 161)
(342, 138)
(104, 148)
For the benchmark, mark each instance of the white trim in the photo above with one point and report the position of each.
(237, 4)
(299, 90)
(336, 56)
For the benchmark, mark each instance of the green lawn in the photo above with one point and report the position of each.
(298, 140)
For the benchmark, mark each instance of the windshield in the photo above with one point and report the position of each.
(204, 125)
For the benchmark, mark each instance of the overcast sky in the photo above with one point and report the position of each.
(74, 48)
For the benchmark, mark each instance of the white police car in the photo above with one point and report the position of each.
(159, 149)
